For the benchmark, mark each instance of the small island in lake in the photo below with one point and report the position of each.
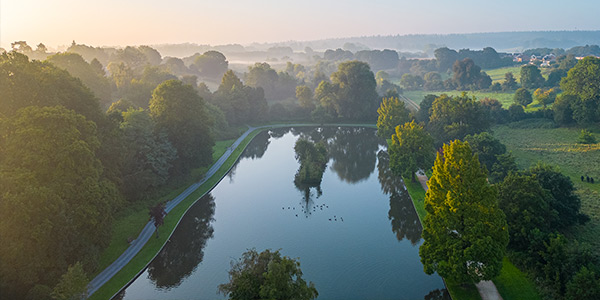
(313, 160)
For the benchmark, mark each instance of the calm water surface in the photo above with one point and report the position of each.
(357, 235)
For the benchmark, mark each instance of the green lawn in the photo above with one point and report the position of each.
(514, 285)
(132, 224)
(557, 146)
(497, 75)
(506, 98)
(417, 193)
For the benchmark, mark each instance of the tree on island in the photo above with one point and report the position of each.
(465, 232)
(392, 113)
(411, 149)
(267, 275)
(313, 160)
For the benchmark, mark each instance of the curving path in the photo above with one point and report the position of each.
(148, 230)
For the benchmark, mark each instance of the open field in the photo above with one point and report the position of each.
(497, 75)
(558, 146)
(506, 98)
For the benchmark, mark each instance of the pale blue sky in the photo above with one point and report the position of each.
(136, 22)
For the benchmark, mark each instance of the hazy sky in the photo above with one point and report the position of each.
(136, 22)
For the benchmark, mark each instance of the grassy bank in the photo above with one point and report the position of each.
(497, 75)
(149, 251)
(514, 284)
(131, 220)
(558, 146)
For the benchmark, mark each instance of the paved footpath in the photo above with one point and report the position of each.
(148, 231)
(487, 289)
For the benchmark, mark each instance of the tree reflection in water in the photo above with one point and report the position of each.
(404, 219)
(438, 295)
(180, 257)
(258, 146)
(354, 153)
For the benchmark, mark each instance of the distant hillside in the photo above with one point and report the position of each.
(501, 41)
(416, 43)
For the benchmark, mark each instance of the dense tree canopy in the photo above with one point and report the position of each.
(55, 206)
(148, 154)
(24, 83)
(212, 64)
(91, 77)
(180, 112)
(240, 103)
(465, 232)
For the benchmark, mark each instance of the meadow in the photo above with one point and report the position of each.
(537, 141)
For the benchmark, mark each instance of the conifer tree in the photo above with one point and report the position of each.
(465, 232)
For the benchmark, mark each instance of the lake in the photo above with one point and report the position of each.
(357, 236)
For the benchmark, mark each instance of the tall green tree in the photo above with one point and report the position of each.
(527, 209)
(357, 97)
(180, 112)
(78, 67)
(305, 97)
(468, 75)
(148, 156)
(465, 232)
(565, 201)
(267, 275)
(392, 113)
(509, 83)
(581, 81)
(455, 117)
(531, 77)
(411, 149)
(522, 97)
(212, 64)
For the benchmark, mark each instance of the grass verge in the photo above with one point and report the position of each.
(514, 284)
(417, 194)
(130, 222)
(150, 250)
